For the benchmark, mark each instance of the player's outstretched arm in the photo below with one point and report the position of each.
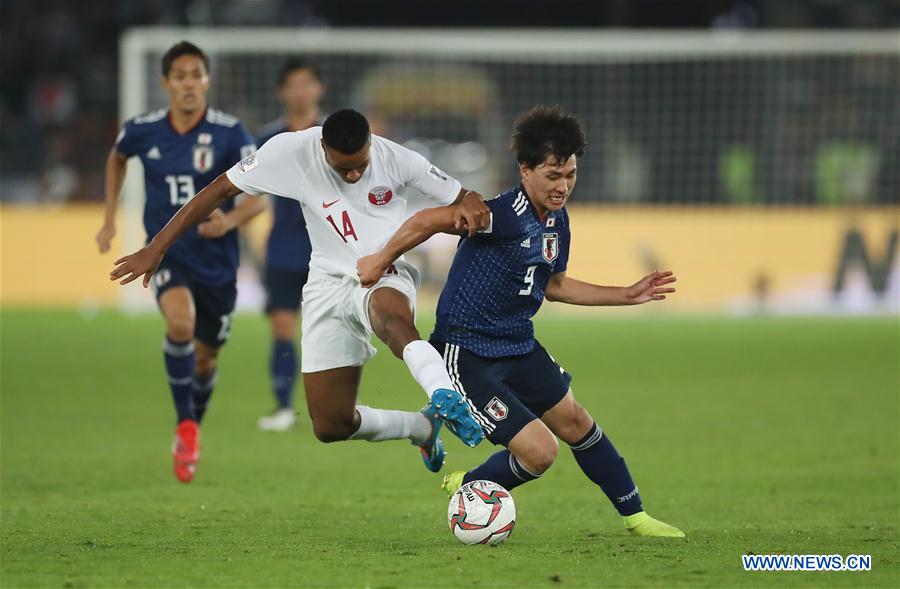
(653, 287)
(414, 231)
(144, 261)
(467, 214)
(116, 166)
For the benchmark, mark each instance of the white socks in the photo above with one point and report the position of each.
(426, 366)
(378, 425)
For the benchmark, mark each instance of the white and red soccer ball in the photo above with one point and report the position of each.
(481, 512)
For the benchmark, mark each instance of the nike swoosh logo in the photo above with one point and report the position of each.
(326, 205)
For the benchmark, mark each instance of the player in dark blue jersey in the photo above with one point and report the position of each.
(497, 282)
(183, 148)
(300, 89)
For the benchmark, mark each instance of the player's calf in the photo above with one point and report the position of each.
(568, 419)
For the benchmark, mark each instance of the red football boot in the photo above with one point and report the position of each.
(186, 450)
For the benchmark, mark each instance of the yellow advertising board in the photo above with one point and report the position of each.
(735, 259)
(48, 258)
(804, 260)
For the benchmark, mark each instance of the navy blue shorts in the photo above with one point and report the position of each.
(506, 394)
(284, 289)
(214, 304)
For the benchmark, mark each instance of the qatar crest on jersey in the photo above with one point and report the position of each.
(203, 158)
(550, 247)
(380, 195)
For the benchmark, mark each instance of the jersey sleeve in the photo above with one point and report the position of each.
(128, 141)
(270, 170)
(242, 143)
(504, 223)
(429, 179)
(565, 238)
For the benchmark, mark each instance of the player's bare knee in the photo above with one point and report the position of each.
(576, 425)
(538, 459)
(571, 422)
(538, 452)
(327, 430)
(180, 329)
(284, 325)
(396, 330)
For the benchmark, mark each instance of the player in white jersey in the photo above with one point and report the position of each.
(355, 190)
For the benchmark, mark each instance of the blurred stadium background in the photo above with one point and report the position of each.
(752, 146)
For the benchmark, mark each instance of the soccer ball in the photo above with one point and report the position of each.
(481, 512)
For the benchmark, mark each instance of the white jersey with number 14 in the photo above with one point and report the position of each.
(345, 221)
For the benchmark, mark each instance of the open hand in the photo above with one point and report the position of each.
(104, 237)
(216, 225)
(650, 288)
(370, 269)
(141, 263)
(471, 214)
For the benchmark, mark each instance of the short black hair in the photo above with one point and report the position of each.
(294, 64)
(346, 131)
(179, 49)
(546, 131)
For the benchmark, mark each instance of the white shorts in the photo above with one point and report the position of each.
(336, 328)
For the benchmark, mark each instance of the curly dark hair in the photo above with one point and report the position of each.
(179, 49)
(546, 131)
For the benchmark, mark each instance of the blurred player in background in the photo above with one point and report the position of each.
(300, 89)
(354, 188)
(185, 145)
(498, 281)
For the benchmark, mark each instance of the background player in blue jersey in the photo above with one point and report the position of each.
(300, 89)
(497, 282)
(183, 148)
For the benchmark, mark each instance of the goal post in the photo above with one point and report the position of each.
(760, 119)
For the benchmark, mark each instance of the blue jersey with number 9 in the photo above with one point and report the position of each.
(176, 167)
(497, 280)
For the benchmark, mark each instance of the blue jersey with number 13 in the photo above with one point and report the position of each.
(176, 167)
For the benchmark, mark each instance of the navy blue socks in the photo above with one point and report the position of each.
(600, 461)
(283, 370)
(179, 357)
(503, 469)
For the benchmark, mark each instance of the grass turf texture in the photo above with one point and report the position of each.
(763, 436)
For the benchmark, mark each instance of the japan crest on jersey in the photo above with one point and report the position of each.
(550, 246)
(203, 158)
(497, 409)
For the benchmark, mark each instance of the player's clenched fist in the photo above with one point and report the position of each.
(216, 225)
(471, 214)
(141, 263)
(371, 269)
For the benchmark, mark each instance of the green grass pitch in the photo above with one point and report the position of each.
(753, 435)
